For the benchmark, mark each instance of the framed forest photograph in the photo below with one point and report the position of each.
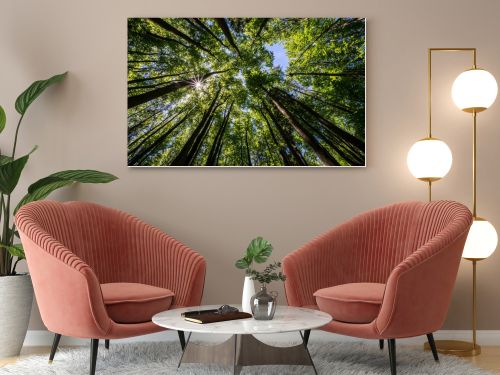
(241, 92)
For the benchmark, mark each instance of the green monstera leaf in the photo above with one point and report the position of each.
(259, 250)
(34, 91)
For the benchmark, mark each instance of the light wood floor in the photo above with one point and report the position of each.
(488, 360)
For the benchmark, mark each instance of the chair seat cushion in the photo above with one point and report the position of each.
(135, 303)
(351, 303)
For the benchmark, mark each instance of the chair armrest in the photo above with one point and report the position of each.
(419, 289)
(323, 262)
(67, 290)
(165, 262)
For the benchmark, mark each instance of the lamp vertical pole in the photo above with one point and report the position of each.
(429, 105)
(474, 215)
(474, 167)
(474, 310)
(454, 347)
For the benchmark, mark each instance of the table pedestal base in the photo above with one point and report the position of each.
(246, 350)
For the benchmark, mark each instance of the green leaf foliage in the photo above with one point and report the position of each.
(259, 250)
(3, 119)
(15, 250)
(43, 187)
(10, 172)
(242, 263)
(29, 95)
(4, 159)
(246, 92)
(269, 274)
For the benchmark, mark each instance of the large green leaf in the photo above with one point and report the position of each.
(42, 193)
(3, 119)
(5, 159)
(15, 250)
(43, 187)
(31, 93)
(87, 176)
(242, 263)
(10, 172)
(259, 250)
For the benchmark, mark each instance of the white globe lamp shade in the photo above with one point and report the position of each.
(429, 159)
(481, 241)
(474, 90)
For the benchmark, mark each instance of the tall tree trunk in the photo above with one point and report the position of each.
(136, 100)
(288, 138)
(137, 80)
(183, 158)
(282, 152)
(270, 152)
(346, 136)
(134, 127)
(193, 153)
(155, 38)
(227, 33)
(320, 151)
(152, 86)
(249, 158)
(206, 28)
(152, 133)
(171, 29)
(311, 94)
(140, 156)
(217, 144)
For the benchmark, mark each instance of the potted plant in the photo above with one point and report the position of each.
(16, 291)
(258, 251)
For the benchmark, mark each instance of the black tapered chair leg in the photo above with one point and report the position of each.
(106, 344)
(94, 346)
(432, 344)
(381, 344)
(392, 355)
(55, 344)
(307, 333)
(182, 339)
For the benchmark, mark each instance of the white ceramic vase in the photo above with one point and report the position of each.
(248, 292)
(16, 298)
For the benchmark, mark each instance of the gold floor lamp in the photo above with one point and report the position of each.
(430, 159)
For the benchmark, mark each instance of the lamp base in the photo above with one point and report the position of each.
(456, 348)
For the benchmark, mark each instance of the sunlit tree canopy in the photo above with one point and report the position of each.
(246, 92)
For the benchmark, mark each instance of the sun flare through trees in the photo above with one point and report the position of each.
(246, 92)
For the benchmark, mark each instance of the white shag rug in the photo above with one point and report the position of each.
(162, 357)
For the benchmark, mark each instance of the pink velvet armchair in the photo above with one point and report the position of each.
(385, 274)
(99, 273)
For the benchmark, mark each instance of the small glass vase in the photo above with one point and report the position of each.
(263, 304)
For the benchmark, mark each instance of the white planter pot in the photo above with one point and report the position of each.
(16, 298)
(248, 292)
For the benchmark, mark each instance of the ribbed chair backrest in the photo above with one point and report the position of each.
(96, 234)
(386, 236)
(368, 247)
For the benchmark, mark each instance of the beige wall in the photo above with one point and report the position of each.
(82, 124)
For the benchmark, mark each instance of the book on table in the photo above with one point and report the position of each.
(213, 316)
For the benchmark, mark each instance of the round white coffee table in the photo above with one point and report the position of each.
(242, 348)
